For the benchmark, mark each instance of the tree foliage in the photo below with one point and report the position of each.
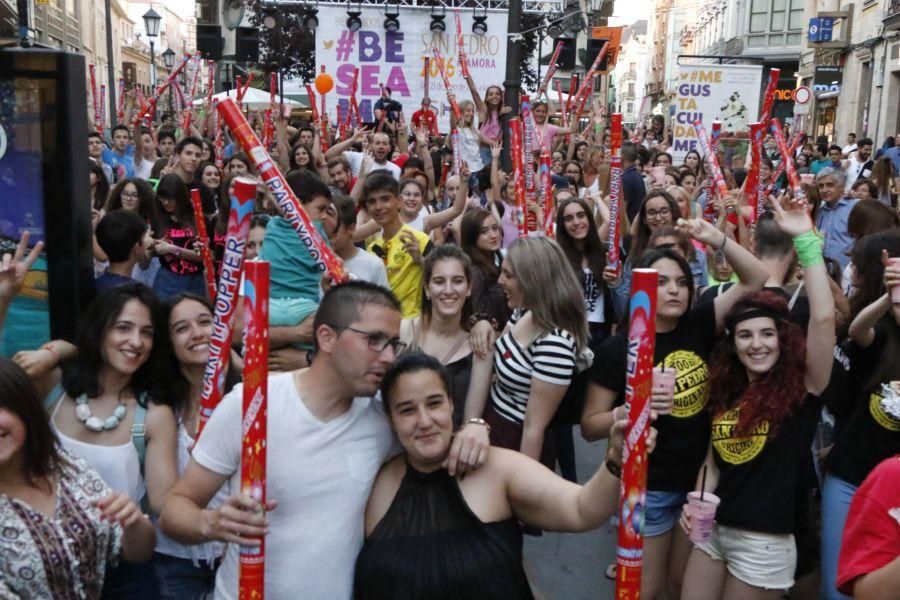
(296, 54)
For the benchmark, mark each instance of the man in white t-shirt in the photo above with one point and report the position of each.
(859, 164)
(379, 147)
(340, 223)
(327, 437)
(144, 154)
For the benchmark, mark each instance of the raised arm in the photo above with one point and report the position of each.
(862, 329)
(282, 148)
(793, 218)
(13, 268)
(439, 219)
(751, 272)
(480, 106)
(336, 150)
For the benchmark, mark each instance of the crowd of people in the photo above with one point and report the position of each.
(418, 414)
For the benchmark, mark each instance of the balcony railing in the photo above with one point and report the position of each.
(892, 15)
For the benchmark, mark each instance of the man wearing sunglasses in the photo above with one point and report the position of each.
(327, 438)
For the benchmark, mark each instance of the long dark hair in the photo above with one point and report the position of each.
(866, 259)
(81, 376)
(101, 192)
(171, 186)
(642, 236)
(469, 232)
(775, 395)
(146, 197)
(648, 260)
(439, 254)
(19, 396)
(594, 249)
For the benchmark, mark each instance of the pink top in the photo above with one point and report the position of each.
(545, 134)
(491, 128)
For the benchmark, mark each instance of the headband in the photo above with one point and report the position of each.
(732, 320)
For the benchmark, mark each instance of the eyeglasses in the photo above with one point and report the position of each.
(663, 212)
(130, 195)
(379, 341)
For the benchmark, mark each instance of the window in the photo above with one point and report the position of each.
(776, 16)
(629, 108)
(631, 90)
(759, 10)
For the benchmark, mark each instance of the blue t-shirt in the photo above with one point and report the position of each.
(122, 166)
(293, 271)
(108, 280)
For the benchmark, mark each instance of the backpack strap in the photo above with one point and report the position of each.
(139, 431)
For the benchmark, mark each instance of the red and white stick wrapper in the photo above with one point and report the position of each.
(203, 238)
(102, 107)
(120, 100)
(786, 160)
(584, 91)
(254, 419)
(515, 151)
(712, 163)
(544, 170)
(551, 70)
(151, 106)
(210, 83)
(290, 207)
(752, 183)
(457, 151)
(528, 135)
(219, 136)
(709, 211)
(632, 500)
(769, 96)
(460, 47)
(192, 91)
(247, 85)
(239, 216)
(615, 188)
(451, 97)
(792, 149)
(95, 97)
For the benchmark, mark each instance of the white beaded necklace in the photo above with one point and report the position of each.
(84, 414)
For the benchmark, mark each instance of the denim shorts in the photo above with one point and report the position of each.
(662, 511)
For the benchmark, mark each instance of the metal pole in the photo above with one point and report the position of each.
(513, 60)
(152, 67)
(540, 49)
(110, 65)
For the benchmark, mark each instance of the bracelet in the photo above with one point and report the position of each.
(482, 317)
(614, 468)
(724, 240)
(809, 249)
(479, 421)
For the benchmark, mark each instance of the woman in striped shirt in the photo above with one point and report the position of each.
(534, 358)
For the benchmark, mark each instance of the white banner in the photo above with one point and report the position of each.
(395, 60)
(727, 93)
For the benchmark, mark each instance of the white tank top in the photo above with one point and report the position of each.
(208, 551)
(419, 222)
(119, 466)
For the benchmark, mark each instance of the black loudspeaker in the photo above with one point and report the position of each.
(44, 190)
(246, 46)
(593, 49)
(210, 42)
(567, 54)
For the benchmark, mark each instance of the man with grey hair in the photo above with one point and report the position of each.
(834, 214)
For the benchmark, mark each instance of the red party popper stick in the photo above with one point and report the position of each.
(709, 212)
(584, 91)
(712, 163)
(219, 136)
(792, 149)
(95, 97)
(102, 107)
(323, 123)
(615, 187)
(203, 237)
(563, 105)
(769, 96)
(451, 97)
(752, 183)
(515, 151)
(254, 420)
(787, 161)
(551, 70)
(247, 84)
(290, 207)
(544, 170)
(313, 106)
(210, 83)
(239, 216)
(192, 91)
(120, 100)
(528, 161)
(461, 46)
(632, 499)
(151, 106)
(457, 151)
(425, 75)
(238, 89)
(342, 127)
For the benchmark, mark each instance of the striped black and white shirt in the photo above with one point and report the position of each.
(549, 358)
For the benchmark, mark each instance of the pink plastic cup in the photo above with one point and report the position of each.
(664, 381)
(703, 515)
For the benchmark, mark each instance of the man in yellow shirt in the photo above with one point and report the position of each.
(401, 247)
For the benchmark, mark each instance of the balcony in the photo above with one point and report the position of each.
(892, 15)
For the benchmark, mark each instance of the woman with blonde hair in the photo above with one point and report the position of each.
(535, 357)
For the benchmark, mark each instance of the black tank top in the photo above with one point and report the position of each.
(431, 545)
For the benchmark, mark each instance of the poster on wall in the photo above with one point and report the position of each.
(396, 59)
(727, 93)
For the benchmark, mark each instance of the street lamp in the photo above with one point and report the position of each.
(169, 60)
(151, 26)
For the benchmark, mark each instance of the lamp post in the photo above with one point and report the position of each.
(169, 60)
(151, 26)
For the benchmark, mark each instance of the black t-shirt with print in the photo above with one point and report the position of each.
(871, 434)
(763, 477)
(683, 436)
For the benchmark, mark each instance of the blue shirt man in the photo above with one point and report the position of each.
(834, 214)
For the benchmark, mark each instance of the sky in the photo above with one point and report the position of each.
(626, 12)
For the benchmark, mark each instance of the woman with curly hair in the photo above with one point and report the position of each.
(765, 382)
(132, 194)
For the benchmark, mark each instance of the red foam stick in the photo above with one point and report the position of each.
(284, 197)
(515, 151)
(95, 98)
(709, 209)
(219, 136)
(254, 420)
(457, 154)
(211, 83)
(585, 90)
(544, 170)
(451, 97)
(203, 238)
(192, 91)
(528, 135)
(551, 70)
(615, 187)
(632, 499)
(102, 106)
(120, 100)
(769, 97)
(239, 215)
(790, 167)
(752, 183)
(461, 46)
(712, 163)
(151, 106)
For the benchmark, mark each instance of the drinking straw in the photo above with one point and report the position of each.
(254, 421)
(632, 499)
(203, 236)
(703, 483)
(239, 215)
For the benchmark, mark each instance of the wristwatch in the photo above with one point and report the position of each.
(478, 421)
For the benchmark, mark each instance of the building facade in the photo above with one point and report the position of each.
(631, 73)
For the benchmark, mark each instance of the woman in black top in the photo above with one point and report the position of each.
(765, 381)
(480, 237)
(870, 432)
(685, 336)
(429, 535)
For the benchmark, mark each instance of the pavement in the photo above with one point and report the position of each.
(571, 566)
